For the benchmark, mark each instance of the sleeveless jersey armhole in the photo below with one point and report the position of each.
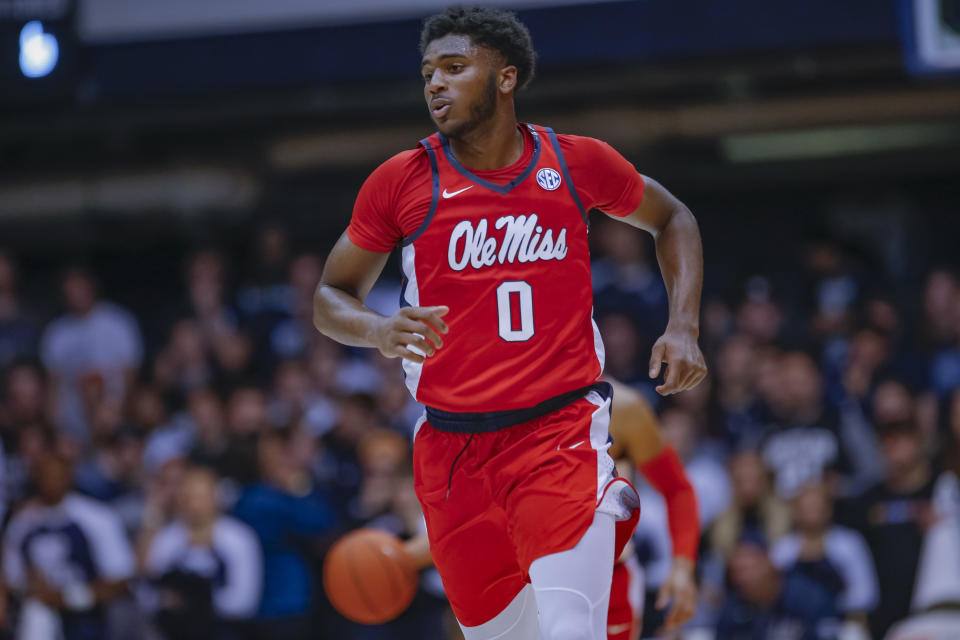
(434, 198)
(566, 175)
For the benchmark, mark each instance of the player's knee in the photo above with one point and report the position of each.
(571, 621)
(567, 628)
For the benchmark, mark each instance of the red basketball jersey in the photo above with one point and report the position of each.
(512, 264)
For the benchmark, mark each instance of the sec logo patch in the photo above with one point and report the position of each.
(549, 179)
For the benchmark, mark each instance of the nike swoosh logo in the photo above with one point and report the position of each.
(614, 629)
(572, 446)
(450, 194)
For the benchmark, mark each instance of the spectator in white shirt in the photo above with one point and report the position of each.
(66, 557)
(206, 568)
(834, 557)
(92, 353)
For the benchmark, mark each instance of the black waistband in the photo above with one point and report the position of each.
(453, 422)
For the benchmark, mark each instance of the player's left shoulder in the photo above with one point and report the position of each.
(573, 142)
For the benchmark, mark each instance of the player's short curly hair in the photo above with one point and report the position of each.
(494, 28)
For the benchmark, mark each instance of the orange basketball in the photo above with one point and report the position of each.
(369, 577)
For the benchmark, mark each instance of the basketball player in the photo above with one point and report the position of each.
(636, 437)
(522, 504)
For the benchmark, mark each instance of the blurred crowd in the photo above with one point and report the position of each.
(180, 472)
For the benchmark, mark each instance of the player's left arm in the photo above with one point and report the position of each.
(680, 255)
(635, 429)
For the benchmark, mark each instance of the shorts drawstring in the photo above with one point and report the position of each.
(454, 464)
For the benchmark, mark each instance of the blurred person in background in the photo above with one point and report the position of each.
(96, 343)
(356, 417)
(625, 280)
(755, 511)
(205, 568)
(807, 439)
(113, 474)
(246, 413)
(937, 327)
(833, 288)
(24, 399)
(759, 315)
(658, 530)
(936, 592)
(280, 316)
(183, 364)
(765, 603)
(622, 348)
(289, 515)
(831, 559)
(66, 557)
(734, 410)
(209, 440)
(893, 517)
(892, 402)
(228, 349)
(18, 330)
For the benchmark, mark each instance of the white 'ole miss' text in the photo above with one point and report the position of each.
(523, 241)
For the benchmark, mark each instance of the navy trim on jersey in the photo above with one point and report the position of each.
(452, 422)
(507, 188)
(434, 199)
(566, 174)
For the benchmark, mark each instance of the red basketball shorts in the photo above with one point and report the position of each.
(626, 601)
(495, 502)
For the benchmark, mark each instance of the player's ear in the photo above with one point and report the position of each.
(507, 79)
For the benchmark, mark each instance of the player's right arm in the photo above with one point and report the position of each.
(391, 203)
(339, 311)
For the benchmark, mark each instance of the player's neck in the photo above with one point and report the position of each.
(495, 144)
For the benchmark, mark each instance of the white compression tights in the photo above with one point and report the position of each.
(571, 590)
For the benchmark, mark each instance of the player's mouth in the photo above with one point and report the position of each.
(439, 107)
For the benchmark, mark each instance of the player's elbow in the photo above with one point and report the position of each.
(321, 315)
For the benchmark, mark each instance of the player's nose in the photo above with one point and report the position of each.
(437, 83)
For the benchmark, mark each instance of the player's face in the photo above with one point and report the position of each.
(459, 84)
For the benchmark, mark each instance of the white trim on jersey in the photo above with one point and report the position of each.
(614, 496)
(411, 295)
(598, 342)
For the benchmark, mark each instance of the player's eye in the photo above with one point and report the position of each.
(456, 67)
(427, 76)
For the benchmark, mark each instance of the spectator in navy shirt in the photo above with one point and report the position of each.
(206, 568)
(66, 557)
(827, 557)
(288, 515)
(893, 516)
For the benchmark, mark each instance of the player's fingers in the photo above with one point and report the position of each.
(423, 329)
(656, 359)
(414, 340)
(695, 374)
(431, 315)
(428, 332)
(682, 610)
(687, 379)
(406, 354)
(670, 382)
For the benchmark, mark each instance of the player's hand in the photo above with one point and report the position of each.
(681, 589)
(685, 364)
(412, 327)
